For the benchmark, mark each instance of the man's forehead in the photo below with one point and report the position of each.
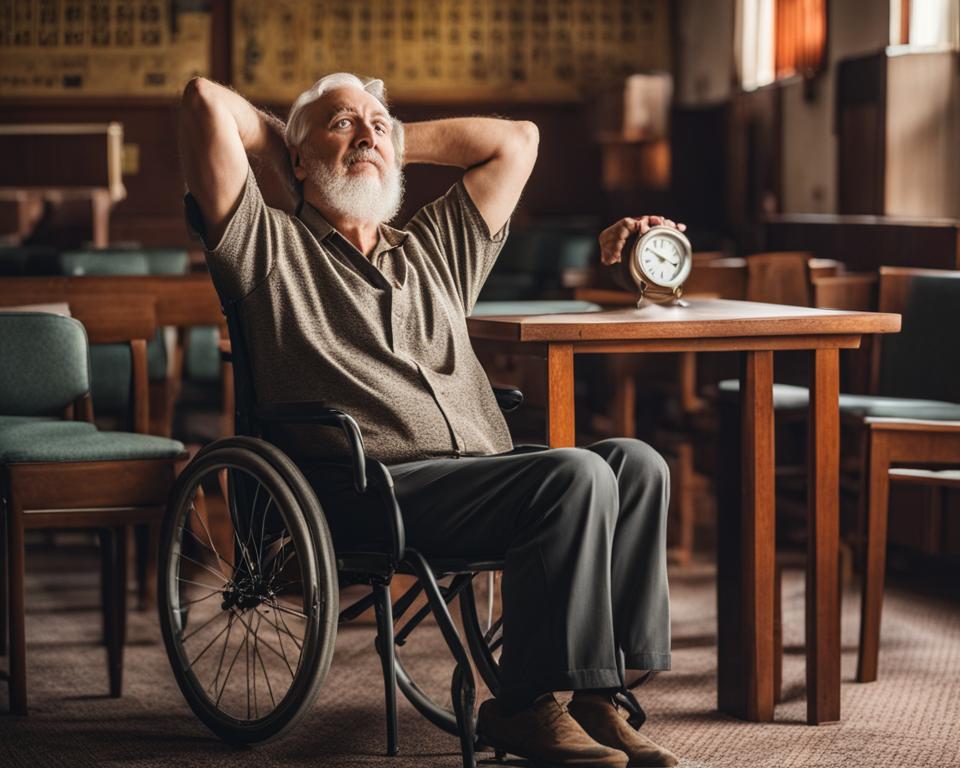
(348, 99)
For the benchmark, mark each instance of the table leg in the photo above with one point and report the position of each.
(823, 490)
(560, 414)
(745, 549)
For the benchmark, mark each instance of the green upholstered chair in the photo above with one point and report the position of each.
(911, 417)
(59, 473)
(110, 364)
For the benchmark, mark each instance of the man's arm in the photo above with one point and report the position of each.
(218, 129)
(499, 156)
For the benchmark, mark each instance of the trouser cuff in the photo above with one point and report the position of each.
(658, 661)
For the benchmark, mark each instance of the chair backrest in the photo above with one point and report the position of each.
(125, 261)
(854, 291)
(923, 360)
(780, 278)
(126, 319)
(723, 277)
(103, 262)
(45, 365)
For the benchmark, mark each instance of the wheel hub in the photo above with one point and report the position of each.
(246, 594)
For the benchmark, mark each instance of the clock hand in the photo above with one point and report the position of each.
(664, 258)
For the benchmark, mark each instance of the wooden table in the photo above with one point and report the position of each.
(745, 557)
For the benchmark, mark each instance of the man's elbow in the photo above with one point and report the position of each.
(529, 136)
(198, 95)
(524, 141)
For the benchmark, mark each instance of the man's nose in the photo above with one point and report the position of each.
(365, 137)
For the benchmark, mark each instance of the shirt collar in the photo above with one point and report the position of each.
(321, 228)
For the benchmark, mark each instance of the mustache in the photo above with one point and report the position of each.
(362, 155)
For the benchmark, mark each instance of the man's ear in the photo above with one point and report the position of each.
(297, 163)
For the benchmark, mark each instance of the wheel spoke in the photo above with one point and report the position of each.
(205, 567)
(226, 677)
(266, 677)
(284, 628)
(199, 584)
(250, 524)
(280, 654)
(205, 624)
(207, 647)
(200, 599)
(232, 508)
(223, 653)
(209, 537)
(292, 636)
(275, 604)
(282, 649)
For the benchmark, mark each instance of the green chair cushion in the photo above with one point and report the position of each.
(202, 358)
(61, 441)
(43, 363)
(788, 397)
(104, 262)
(483, 308)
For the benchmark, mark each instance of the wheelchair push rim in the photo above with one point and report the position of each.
(247, 605)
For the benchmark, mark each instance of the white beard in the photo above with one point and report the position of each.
(363, 198)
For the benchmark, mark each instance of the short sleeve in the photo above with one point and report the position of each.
(245, 254)
(453, 230)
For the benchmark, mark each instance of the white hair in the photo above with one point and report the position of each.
(298, 127)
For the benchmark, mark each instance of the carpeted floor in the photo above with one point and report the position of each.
(910, 717)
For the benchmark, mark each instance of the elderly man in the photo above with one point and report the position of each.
(339, 306)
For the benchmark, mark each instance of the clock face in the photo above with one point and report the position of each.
(663, 257)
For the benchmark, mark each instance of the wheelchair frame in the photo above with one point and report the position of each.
(373, 569)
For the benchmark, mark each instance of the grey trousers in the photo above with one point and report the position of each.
(582, 533)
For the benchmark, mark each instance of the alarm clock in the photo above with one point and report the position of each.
(658, 264)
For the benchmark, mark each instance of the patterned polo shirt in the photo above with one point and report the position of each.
(383, 338)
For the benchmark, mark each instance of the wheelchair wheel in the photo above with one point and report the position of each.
(248, 594)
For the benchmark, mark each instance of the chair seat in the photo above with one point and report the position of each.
(928, 477)
(788, 397)
(25, 439)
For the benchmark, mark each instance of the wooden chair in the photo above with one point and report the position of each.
(63, 473)
(910, 416)
(914, 420)
(786, 277)
(181, 301)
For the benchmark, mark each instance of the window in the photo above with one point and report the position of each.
(780, 38)
(925, 23)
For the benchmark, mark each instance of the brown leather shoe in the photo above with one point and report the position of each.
(601, 718)
(545, 734)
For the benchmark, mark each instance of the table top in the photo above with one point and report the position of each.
(703, 318)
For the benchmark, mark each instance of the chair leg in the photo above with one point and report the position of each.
(17, 608)
(147, 548)
(386, 649)
(875, 497)
(4, 624)
(106, 579)
(114, 567)
(778, 634)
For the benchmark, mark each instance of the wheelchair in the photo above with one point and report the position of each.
(267, 589)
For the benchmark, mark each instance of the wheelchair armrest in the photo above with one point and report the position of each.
(318, 413)
(508, 398)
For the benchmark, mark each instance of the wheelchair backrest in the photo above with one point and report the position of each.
(244, 393)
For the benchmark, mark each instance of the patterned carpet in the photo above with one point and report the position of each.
(910, 717)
